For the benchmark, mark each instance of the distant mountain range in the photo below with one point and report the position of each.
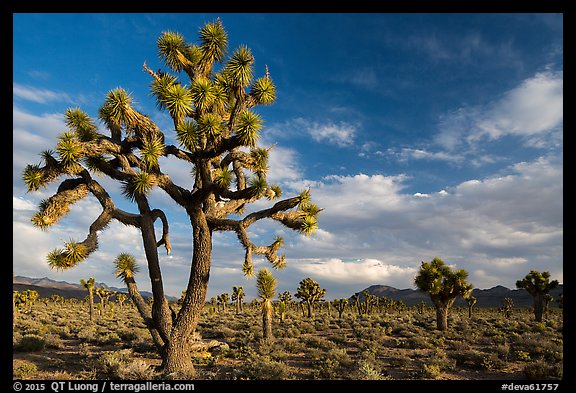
(47, 287)
(492, 297)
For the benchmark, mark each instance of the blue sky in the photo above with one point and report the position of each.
(421, 135)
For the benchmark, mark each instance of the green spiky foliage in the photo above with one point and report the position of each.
(537, 284)
(212, 95)
(125, 267)
(139, 184)
(266, 286)
(310, 292)
(248, 128)
(263, 91)
(443, 285)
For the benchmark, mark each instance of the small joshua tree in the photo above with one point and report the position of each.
(443, 285)
(310, 292)
(237, 296)
(285, 299)
(89, 286)
(507, 306)
(537, 284)
(340, 305)
(471, 300)
(266, 286)
(103, 294)
(121, 298)
(223, 300)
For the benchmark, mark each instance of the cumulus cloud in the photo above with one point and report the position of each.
(355, 272)
(533, 108)
(513, 219)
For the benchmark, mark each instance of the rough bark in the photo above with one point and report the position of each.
(177, 357)
(310, 312)
(91, 303)
(267, 310)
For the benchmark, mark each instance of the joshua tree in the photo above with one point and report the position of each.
(537, 284)
(217, 130)
(285, 299)
(340, 305)
(103, 294)
(443, 285)
(266, 286)
(309, 292)
(89, 286)
(121, 298)
(507, 306)
(471, 300)
(237, 296)
(223, 300)
(57, 299)
(356, 300)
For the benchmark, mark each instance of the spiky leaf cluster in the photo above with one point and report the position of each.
(139, 184)
(152, 149)
(71, 255)
(248, 127)
(263, 91)
(79, 121)
(125, 266)
(188, 134)
(214, 41)
(238, 70)
(265, 284)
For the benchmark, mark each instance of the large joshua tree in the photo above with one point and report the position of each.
(216, 129)
(538, 285)
(443, 285)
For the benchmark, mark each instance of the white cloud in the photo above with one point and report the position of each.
(363, 272)
(532, 109)
(41, 96)
(513, 219)
(340, 134)
(421, 154)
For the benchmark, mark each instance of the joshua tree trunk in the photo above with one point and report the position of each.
(442, 317)
(267, 321)
(176, 356)
(91, 303)
(310, 312)
(442, 311)
(538, 306)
